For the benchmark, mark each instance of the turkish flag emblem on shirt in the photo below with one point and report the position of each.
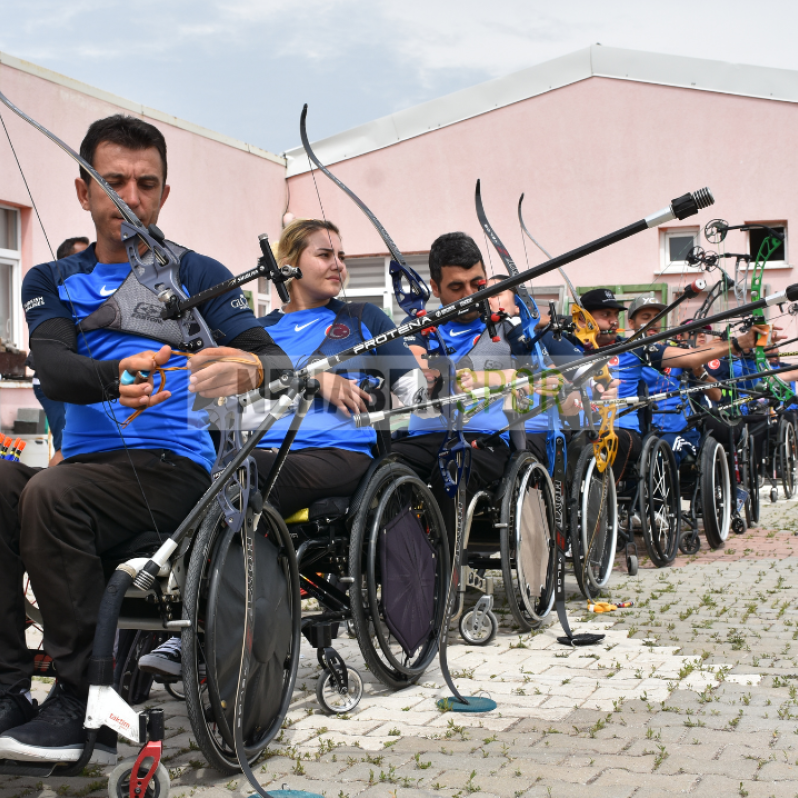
(614, 361)
(713, 364)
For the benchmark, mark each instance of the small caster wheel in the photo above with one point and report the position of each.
(774, 495)
(175, 689)
(488, 627)
(332, 702)
(690, 544)
(738, 525)
(119, 780)
(350, 629)
(632, 564)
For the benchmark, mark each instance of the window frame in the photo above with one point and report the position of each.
(13, 259)
(667, 266)
(773, 264)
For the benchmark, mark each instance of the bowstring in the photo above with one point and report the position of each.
(106, 402)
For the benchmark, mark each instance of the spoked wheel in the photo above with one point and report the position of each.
(214, 603)
(527, 540)
(749, 479)
(787, 456)
(660, 501)
(716, 502)
(399, 563)
(478, 628)
(331, 699)
(593, 524)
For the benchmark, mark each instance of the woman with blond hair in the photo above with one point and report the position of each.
(329, 455)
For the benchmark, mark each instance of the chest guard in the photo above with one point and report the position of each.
(135, 310)
(488, 355)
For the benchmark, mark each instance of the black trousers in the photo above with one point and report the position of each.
(55, 523)
(630, 447)
(311, 474)
(420, 452)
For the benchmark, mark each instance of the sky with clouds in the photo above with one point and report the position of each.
(245, 67)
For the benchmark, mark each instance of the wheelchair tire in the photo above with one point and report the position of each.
(660, 501)
(331, 701)
(392, 489)
(209, 714)
(525, 473)
(749, 480)
(787, 456)
(715, 487)
(593, 525)
(488, 628)
(119, 779)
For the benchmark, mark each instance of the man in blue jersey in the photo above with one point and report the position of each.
(457, 271)
(627, 367)
(90, 321)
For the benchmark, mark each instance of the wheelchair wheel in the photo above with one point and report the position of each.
(660, 501)
(488, 628)
(119, 779)
(214, 603)
(715, 492)
(749, 479)
(333, 702)
(787, 455)
(399, 564)
(530, 597)
(593, 524)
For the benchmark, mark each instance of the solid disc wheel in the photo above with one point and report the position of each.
(715, 493)
(660, 503)
(119, 779)
(632, 565)
(530, 599)
(333, 702)
(393, 489)
(484, 634)
(215, 547)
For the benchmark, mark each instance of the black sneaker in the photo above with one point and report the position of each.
(16, 709)
(57, 734)
(166, 660)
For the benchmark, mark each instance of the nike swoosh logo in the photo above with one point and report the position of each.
(298, 328)
(465, 332)
(103, 291)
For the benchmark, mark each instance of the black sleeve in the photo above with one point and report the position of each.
(66, 376)
(259, 342)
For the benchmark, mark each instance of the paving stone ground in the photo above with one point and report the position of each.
(693, 691)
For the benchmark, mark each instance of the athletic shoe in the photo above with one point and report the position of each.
(166, 660)
(56, 734)
(16, 709)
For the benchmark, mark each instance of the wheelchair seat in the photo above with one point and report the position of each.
(142, 545)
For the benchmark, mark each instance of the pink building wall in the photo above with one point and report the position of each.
(591, 157)
(222, 196)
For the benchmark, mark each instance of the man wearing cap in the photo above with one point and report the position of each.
(627, 367)
(670, 420)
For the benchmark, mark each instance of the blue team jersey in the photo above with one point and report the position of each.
(299, 335)
(460, 339)
(660, 382)
(85, 286)
(628, 368)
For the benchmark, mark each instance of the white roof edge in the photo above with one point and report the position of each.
(676, 71)
(136, 108)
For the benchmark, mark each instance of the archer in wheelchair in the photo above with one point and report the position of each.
(96, 350)
(369, 540)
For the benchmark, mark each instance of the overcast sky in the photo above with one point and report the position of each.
(245, 67)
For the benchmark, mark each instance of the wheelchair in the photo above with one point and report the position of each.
(378, 563)
(199, 594)
(778, 457)
(509, 527)
(706, 479)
